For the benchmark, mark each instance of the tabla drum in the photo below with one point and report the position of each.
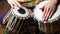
(50, 26)
(15, 19)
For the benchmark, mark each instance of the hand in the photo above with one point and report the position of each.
(49, 9)
(14, 3)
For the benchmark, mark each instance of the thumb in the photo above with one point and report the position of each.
(42, 8)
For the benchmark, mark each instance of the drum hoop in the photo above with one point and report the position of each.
(50, 21)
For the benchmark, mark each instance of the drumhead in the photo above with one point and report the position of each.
(15, 12)
(38, 12)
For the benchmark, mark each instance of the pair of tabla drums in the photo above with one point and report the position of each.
(50, 26)
(15, 19)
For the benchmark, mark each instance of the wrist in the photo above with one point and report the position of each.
(54, 1)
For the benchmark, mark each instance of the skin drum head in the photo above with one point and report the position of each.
(38, 12)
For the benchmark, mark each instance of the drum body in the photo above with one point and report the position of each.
(14, 20)
(50, 26)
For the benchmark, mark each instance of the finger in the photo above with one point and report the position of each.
(11, 5)
(44, 13)
(16, 2)
(51, 13)
(48, 14)
(10, 2)
(42, 8)
(15, 6)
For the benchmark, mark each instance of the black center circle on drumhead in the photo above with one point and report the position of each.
(22, 11)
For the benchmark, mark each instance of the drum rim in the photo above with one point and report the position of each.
(50, 21)
(20, 15)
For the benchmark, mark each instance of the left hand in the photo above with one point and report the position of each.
(49, 9)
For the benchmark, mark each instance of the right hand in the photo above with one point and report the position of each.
(49, 10)
(14, 3)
